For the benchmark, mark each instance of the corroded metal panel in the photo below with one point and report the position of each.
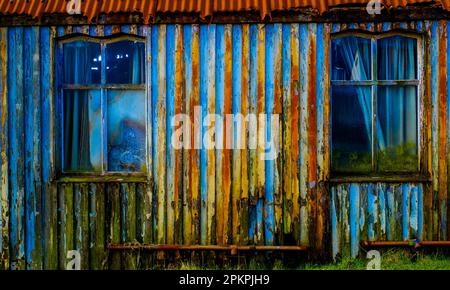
(212, 196)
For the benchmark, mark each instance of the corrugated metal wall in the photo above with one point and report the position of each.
(209, 196)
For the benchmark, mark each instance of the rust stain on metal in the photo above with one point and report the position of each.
(322, 192)
(232, 248)
(287, 145)
(150, 9)
(302, 200)
(414, 243)
(186, 108)
(276, 131)
(227, 139)
(428, 195)
(116, 29)
(261, 172)
(68, 30)
(4, 202)
(161, 149)
(99, 30)
(312, 128)
(195, 155)
(242, 203)
(236, 176)
(294, 174)
(211, 159)
(178, 174)
(442, 163)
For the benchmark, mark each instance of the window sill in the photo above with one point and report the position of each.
(105, 178)
(411, 178)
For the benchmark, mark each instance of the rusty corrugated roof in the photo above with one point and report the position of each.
(149, 8)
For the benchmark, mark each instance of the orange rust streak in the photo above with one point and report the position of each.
(61, 6)
(211, 158)
(295, 116)
(277, 135)
(226, 161)
(194, 153)
(178, 99)
(427, 158)
(321, 190)
(326, 104)
(3, 139)
(15, 8)
(244, 106)
(442, 165)
(3, 6)
(312, 135)
(241, 226)
(116, 29)
(260, 109)
(33, 7)
(49, 6)
(295, 119)
(68, 30)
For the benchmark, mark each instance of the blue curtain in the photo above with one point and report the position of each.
(81, 66)
(397, 105)
(136, 67)
(356, 56)
(397, 108)
(124, 62)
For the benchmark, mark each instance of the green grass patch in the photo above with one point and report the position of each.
(390, 260)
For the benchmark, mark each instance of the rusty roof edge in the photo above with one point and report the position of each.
(205, 8)
(338, 13)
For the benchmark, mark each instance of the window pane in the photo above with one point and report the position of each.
(351, 129)
(82, 131)
(126, 130)
(397, 128)
(397, 59)
(82, 63)
(351, 59)
(125, 62)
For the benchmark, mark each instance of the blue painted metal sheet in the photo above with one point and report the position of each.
(213, 63)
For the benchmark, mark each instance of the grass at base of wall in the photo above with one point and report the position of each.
(390, 260)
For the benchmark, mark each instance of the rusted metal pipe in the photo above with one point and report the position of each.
(233, 248)
(413, 243)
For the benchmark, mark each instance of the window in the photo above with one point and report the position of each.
(103, 106)
(374, 104)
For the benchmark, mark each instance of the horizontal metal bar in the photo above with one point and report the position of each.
(413, 243)
(232, 248)
(135, 87)
(81, 178)
(376, 83)
(379, 178)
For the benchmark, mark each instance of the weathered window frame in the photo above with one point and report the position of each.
(422, 173)
(104, 175)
